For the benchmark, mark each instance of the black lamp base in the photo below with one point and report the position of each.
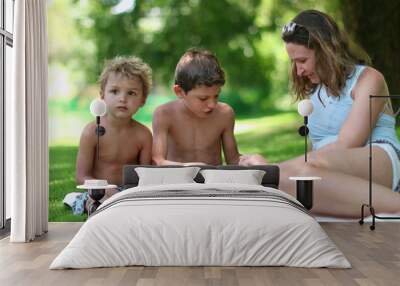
(96, 195)
(304, 190)
(304, 193)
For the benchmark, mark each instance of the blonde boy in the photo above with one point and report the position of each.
(124, 85)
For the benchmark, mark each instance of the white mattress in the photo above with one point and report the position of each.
(183, 230)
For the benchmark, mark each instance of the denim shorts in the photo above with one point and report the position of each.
(394, 155)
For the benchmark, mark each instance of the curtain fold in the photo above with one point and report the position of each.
(27, 144)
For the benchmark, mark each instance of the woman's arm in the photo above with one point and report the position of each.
(355, 130)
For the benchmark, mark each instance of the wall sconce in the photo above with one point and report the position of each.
(97, 188)
(305, 108)
(98, 108)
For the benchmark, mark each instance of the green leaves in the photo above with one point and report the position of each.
(244, 34)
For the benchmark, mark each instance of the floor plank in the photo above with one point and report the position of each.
(374, 255)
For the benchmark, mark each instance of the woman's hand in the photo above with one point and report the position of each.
(252, 159)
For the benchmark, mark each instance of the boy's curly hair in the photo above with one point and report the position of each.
(129, 67)
(198, 67)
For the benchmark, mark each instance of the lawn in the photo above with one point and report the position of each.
(62, 182)
(275, 137)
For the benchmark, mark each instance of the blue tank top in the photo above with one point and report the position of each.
(328, 116)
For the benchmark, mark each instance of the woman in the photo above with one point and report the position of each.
(328, 72)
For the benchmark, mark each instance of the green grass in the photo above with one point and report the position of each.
(73, 115)
(275, 137)
(263, 135)
(62, 182)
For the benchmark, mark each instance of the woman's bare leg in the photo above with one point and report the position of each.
(354, 162)
(345, 180)
(339, 194)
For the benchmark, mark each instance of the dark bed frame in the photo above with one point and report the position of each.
(271, 178)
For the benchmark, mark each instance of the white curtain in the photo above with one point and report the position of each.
(26, 127)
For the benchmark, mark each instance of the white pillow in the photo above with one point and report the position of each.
(248, 177)
(163, 176)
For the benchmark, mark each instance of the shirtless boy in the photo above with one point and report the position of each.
(124, 86)
(195, 128)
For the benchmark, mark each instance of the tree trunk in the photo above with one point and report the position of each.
(375, 25)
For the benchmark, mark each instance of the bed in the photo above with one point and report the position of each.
(201, 224)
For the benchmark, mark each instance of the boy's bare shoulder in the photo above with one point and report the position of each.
(140, 127)
(141, 131)
(166, 109)
(225, 109)
(89, 131)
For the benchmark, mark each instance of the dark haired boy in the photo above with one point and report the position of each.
(196, 127)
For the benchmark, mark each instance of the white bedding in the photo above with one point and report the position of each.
(264, 229)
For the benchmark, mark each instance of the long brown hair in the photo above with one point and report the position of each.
(334, 59)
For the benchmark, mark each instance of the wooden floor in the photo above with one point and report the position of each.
(374, 255)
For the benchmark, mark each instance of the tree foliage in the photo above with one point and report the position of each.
(244, 34)
(160, 32)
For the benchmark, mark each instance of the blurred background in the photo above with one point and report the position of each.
(245, 36)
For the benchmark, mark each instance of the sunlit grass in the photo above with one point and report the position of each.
(62, 182)
(73, 115)
(275, 137)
